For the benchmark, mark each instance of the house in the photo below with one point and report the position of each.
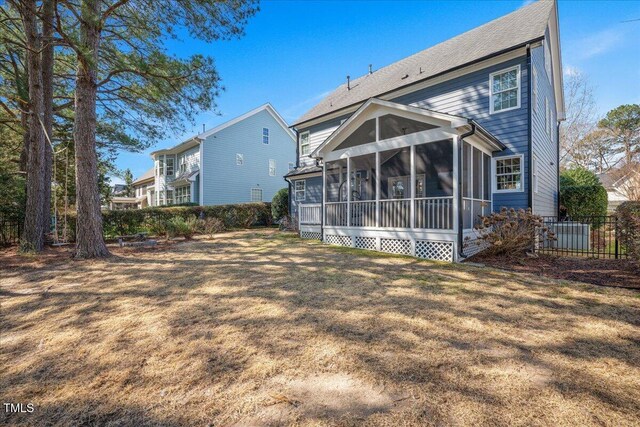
(622, 185)
(119, 199)
(406, 158)
(141, 187)
(239, 161)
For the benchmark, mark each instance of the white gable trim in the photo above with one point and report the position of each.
(376, 107)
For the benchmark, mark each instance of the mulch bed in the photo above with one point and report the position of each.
(603, 272)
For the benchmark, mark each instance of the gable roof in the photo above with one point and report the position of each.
(516, 29)
(145, 176)
(195, 140)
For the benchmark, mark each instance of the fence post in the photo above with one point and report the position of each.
(615, 233)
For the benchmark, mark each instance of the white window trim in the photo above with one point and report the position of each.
(251, 194)
(272, 167)
(518, 87)
(495, 177)
(308, 144)
(268, 135)
(303, 191)
(239, 159)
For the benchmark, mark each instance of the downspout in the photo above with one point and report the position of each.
(530, 126)
(460, 210)
(558, 169)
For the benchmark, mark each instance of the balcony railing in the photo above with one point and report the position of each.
(309, 214)
(429, 213)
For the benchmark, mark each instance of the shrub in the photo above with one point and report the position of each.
(211, 226)
(578, 176)
(178, 227)
(280, 204)
(628, 214)
(511, 232)
(585, 201)
(288, 223)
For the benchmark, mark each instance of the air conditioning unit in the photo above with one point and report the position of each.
(571, 235)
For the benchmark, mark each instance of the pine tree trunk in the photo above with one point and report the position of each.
(89, 240)
(47, 95)
(33, 236)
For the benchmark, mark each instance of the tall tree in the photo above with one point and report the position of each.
(624, 124)
(580, 117)
(119, 50)
(128, 183)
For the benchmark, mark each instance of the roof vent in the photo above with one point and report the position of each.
(348, 82)
(405, 76)
(370, 69)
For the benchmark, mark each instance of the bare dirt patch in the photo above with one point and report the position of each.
(261, 328)
(604, 272)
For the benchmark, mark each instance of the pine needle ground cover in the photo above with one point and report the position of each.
(262, 328)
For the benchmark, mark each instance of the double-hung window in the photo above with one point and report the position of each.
(301, 193)
(183, 194)
(272, 167)
(183, 165)
(265, 135)
(304, 144)
(256, 194)
(505, 90)
(170, 166)
(509, 172)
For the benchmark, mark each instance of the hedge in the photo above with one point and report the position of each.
(628, 214)
(584, 201)
(131, 221)
(280, 204)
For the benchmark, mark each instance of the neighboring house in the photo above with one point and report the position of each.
(119, 200)
(240, 161)
(620, 186)
(406, 158)
(143, 188)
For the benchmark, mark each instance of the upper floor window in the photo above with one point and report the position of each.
(265, 135)
(505, 90)
(239, 159)
(160, 167)
(534, 93)
(301, 193)
(272, 167)
(256, 194)
(547, 116)
(170, 166)
(183, 165)
(509, 174)
(304, 144)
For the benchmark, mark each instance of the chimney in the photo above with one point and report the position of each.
(348, 82)
(370, 69)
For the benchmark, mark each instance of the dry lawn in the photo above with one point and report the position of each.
(258, 328)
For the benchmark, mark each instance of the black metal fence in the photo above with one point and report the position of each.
(10, 231)
(591, 237)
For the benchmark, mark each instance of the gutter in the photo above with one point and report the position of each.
(460, 210)
(530, 131)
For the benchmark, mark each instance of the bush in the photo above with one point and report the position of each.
(280, 204)
(578, 176)
(511, 232)
(210, 226)
(628, 214)
(584, 201)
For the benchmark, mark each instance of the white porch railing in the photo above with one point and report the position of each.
(434, 213)
(336, 213)
(430, 213)
(363, 213)
(309, 214)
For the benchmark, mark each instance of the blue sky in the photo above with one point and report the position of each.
(294, 52)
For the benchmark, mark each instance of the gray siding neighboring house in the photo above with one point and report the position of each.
(527, 41)
(240, 161)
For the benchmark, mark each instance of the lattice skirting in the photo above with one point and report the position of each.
(429, 249)
(316, 235)
(472, 247)
(366, 243)
(396, 246)
(334, 239)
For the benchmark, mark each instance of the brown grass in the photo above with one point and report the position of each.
(256, 328)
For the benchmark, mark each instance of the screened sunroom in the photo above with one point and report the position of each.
(404, 179)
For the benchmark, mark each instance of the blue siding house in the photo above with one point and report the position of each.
(240, 161)
(406, 158)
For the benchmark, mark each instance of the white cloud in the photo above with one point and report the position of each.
(600, 42)
(570, 70)
(295, 111)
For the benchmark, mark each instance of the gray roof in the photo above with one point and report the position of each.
(303, 170)
(148, 174)
(515, 29)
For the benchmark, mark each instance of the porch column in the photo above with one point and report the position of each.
(348, 191)
(378, 189)
(324, 194)
(412, 209)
